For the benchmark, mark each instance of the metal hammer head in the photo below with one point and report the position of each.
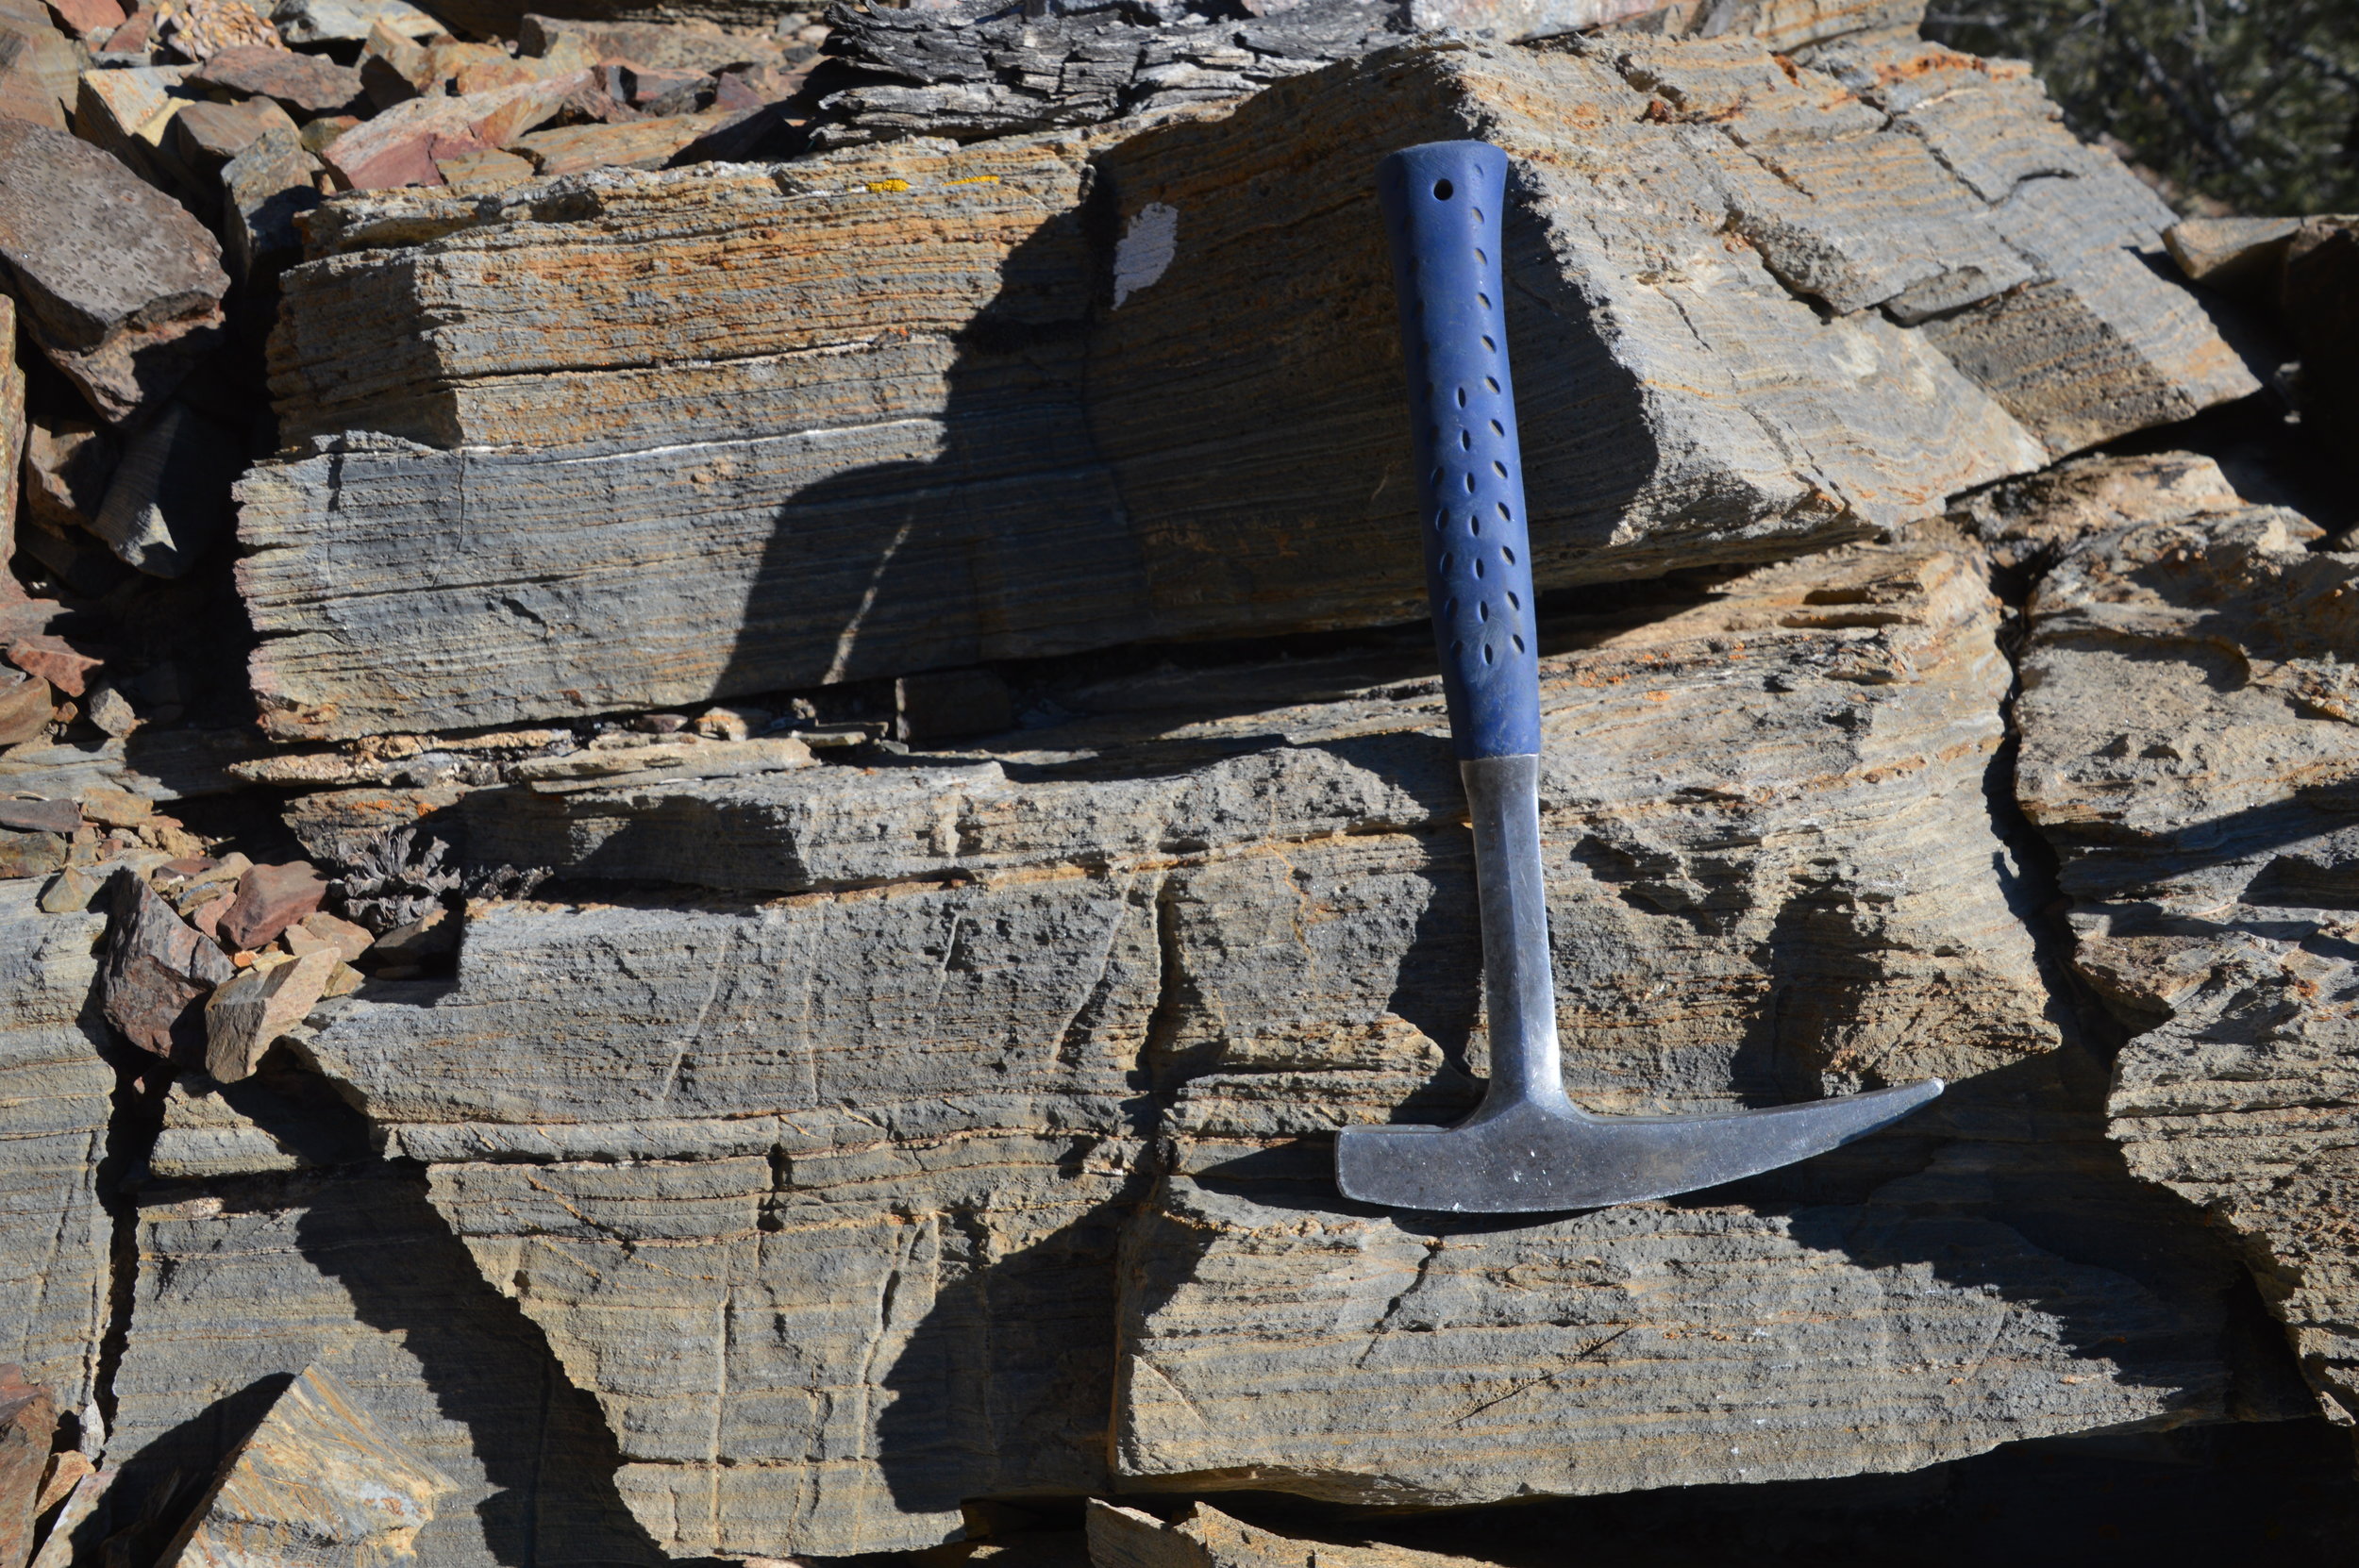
(1532, 1156)
(1527, 1147)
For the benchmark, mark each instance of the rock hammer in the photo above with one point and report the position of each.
(1527, 1147)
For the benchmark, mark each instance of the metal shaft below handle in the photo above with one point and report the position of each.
(1503, 796)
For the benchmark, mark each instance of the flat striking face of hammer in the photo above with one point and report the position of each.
(1527, 1147)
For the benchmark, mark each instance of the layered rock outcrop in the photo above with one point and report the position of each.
(1023, 422)
(993, 1097)
(836, 1122)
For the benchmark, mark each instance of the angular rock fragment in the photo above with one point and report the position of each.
(158, 970)
(209, 135)
(129, 111)
(2191, 746)
(264, 189)
(318, 1479)
(31, 854)
(244, 1018)
(1236, 914)
(85, 17)
(168, 500)
(398, 146)
(46, 816)
(55, 659)
(24, 708)
(2240, 255)
(631, 145)
(353, 1271)
(301, 84)
(37, 67)
(270, 899)
(112, 806)
(67, 466)
(57, 1550)
(121, 287)
(29, 1417)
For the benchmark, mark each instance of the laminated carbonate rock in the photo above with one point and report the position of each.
(1024, 423)
(995, 1100)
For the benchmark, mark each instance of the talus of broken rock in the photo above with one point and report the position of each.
(975, 1145)
(1009, 431)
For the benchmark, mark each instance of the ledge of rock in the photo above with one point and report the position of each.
(1008, 430)
(824, 1289)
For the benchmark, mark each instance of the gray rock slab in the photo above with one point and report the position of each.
(1049, 452)
(245, 1282)
(56, 1095)
(2189, 745)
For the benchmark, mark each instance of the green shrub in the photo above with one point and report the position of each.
(2247, 104)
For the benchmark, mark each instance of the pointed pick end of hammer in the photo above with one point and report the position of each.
(1532, 1158)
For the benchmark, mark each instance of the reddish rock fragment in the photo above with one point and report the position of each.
(40, 816)
(25, 709)
(158, 970)
(84, 17)
(29, 1418)
(396, 147)
(134, 37)
(301, 84)
(752, 86)
(67, 467)
(648, 85)
(270, 899)
(38, 69)
(114, 808)
(57, 661)
(209, 135)
(205, 917)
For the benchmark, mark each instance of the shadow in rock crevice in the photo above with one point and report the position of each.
(1003, 1381)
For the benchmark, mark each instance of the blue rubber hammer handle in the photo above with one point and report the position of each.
(1442, 202)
